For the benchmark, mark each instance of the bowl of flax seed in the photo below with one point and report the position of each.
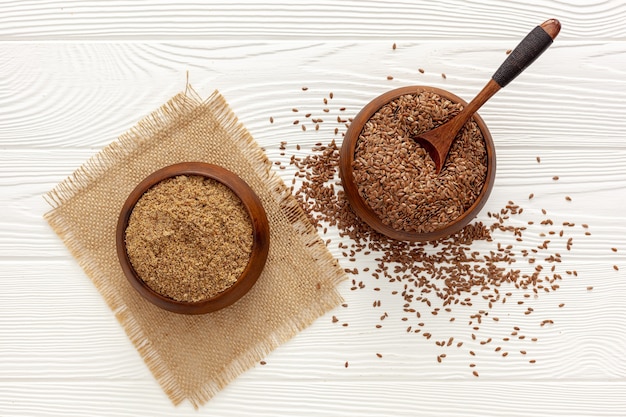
(389, 179)
(192, 238)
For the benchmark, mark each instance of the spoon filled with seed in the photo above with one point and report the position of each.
(437, 142)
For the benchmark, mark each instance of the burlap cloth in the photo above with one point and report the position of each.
(193, 357)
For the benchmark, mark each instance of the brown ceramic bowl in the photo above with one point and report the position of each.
(359, 205)
(260, 244)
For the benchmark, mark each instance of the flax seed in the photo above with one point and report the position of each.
(385, 182)
(457, 275)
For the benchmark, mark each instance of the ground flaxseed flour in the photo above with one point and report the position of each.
(193, 357)
(189, 238)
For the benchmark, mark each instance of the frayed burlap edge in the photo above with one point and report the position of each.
(182, 106)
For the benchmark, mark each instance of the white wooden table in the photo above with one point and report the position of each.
(74, 75)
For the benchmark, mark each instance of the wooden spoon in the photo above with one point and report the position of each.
(437, 141)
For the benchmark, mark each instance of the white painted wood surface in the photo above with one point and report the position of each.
(76, 74)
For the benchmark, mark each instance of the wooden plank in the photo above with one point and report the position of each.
(60, 20)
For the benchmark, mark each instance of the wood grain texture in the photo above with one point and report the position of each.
(75, 75)
(448, 19)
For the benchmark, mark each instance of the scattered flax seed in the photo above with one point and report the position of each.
(589, 288)
(295, 122)
(271, 119)
(185, 212)
(390, 77)
(346, 364)
(530, 196)
(508, 51)
(615, 267)
(394, 46)
(538, 159)
(475, 373)
(379, 355)
(305, 88)
(561, 305)
(532, 361)
(568, 198)
(555, 178)
(614, 249)
(443, 76)
(331, 95)
(456, 272)
(263, 363)
(335, 319)
(421, 70)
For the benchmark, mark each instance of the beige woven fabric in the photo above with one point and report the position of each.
(193, 357)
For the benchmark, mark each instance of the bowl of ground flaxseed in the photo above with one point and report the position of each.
(192, 238)
(391, 182)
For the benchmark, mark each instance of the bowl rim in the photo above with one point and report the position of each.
(362, 209)
(260, 241)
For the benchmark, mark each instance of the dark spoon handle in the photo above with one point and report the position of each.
(524, 54)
